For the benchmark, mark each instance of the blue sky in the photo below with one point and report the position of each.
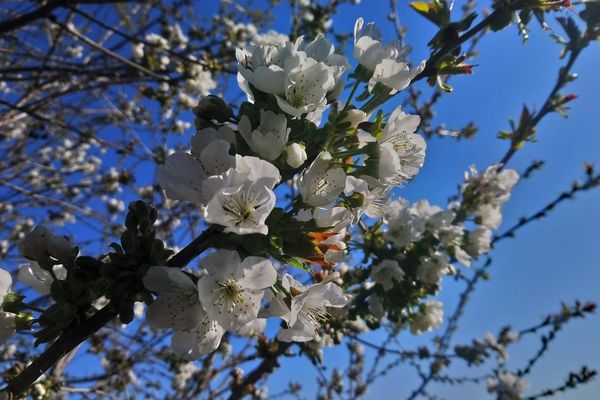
(553, 260)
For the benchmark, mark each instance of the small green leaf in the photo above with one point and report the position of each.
(294, 262)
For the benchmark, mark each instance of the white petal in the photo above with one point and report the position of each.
(175, 310)
(181, 177)
(165, 279)
(201, 340)
(7, 325)
(221, 264)
(258, 273)
(5, 283)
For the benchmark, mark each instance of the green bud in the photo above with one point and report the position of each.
(356, 200)
(13, 303)
(362, 74)
(213, 108)
(24, 321)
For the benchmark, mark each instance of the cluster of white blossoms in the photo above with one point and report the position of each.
(282, 188)
(491, 189)
(507, 386)
(448, 236)
(238, 165)
(383, 63)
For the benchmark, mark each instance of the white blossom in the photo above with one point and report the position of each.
(270, 138)
(402, 152)
(478, 241)
(321, 182)
(489, 191)
(242, 209)
(39, 279)
(42, 245)
(385, 63)
(309, 310)
(403, 225)
(210, 170)
(431, 318)
(366, 199)
(232, 289)
(507, 386)
(386, 272)
(433, 267)
(177, 304)
(295, 155)
(7, 319)
(303, 77)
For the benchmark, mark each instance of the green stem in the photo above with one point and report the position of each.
(352, 92)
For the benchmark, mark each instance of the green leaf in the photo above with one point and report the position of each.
(294, 262)
(436, 11)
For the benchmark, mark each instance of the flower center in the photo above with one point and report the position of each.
(230, 296)
(314, 314)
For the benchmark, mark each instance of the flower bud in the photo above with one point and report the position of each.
(355, 117)
(41, 244)
(213, 108)
(295, 155)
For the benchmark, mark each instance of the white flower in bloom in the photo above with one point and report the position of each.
(507, 386)
(490, 191)
(40, 280)
(177, 304)
(436, 218)
(198, 178)
(433, 267)
(355, 117)
(431, 318)
(321, 182)
(137, 51)
(478, 241)
(7, 320)
(42, 245)
(201, 81)
(271, 136)
(202, 339)
(386, 63)
(242, 209)
(404, 226)
(402, 152)
(182, 175)
(394, 74)
(295, 155)
(369, 201)
(303, 77)
(184, 373)
(368, 49)
(494, 185)
(253, 328)
(309, 310)
(386, 272)
(231, 292)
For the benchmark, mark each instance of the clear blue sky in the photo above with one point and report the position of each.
(553, 260)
